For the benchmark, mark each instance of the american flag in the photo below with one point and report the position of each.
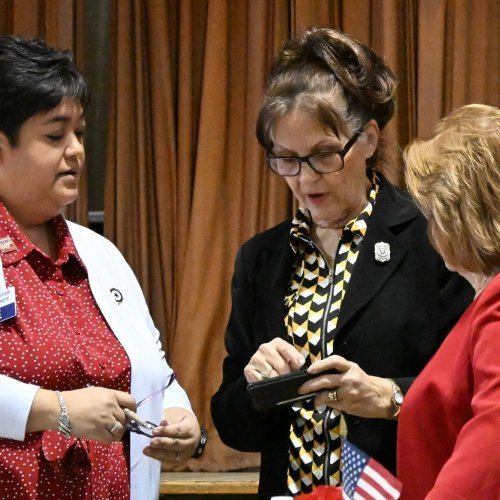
(363, 478)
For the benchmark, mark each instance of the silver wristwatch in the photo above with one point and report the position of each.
(64, 420)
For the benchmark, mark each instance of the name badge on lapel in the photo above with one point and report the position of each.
(7, 303)
(7, 245)
(7, 297)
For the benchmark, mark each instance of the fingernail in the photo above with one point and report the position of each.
(301, 361)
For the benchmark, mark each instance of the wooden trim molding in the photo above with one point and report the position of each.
(209, 483)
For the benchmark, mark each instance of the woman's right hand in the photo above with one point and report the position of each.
(273, 358)
(93, 411)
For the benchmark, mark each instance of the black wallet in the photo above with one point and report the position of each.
(282, 389)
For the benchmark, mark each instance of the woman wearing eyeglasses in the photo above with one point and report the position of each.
(80, 358)
(351, 283)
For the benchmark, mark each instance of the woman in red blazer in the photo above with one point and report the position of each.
(449, 428)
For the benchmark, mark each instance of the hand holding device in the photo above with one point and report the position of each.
(282, 389)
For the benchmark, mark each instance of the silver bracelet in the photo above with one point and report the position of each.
(64, 420)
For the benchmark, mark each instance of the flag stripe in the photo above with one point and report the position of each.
(359, 496)
(371, 482)
(363, 478)
(371, 491)
(381, 481)
(383, 473)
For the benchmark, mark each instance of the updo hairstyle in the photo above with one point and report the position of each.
(334, 78)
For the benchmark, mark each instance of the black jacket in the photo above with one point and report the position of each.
(393, 318)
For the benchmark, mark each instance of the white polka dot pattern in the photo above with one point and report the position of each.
(58, 340)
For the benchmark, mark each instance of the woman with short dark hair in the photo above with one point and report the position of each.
(78, 347)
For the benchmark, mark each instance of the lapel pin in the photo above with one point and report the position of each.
(382, 251)
(117, 295)
(7, 245)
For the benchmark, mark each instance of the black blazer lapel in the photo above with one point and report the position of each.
(369, 276)
(392, 209)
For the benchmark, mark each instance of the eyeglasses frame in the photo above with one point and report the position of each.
(306, 159)
(133, 426)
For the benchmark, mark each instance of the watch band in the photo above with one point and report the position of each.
(64, 420)
(201, 445)
(395, 415)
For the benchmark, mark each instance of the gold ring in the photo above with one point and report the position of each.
(266, 372)
(332, 396)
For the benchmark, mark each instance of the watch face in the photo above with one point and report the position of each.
(398, 397)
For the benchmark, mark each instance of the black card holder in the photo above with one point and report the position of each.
(281, 390)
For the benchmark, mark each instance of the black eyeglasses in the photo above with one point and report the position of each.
(322, 163)
(136, 423)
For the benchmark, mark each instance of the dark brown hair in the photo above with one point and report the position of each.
(336, 79)
(34, 78)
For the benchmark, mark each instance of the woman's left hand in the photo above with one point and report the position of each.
(352, 390)
(176, 438)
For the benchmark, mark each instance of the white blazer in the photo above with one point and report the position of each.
(121, 301)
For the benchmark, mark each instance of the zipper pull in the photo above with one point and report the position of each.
(330, 276)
